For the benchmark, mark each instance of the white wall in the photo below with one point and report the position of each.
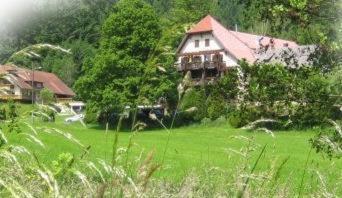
(17, 90)
(189, 47)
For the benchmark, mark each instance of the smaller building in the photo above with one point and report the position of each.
(24, 84)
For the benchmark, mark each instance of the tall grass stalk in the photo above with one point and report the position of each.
(303, 175)
(106, 139)
(245, 184)
(116, 140)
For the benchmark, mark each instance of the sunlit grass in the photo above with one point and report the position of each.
(193, 147)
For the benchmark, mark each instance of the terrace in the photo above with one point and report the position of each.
(203, 67)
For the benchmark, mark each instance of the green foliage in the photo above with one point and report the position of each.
(229, 12)
(329, 141)
(12, 110)
(46, 96)
(76, 26)
(307, 22)
(314, 101)
(301, 95)
(3, 114)
(45, 112)
(243, 115)
(62, 167)
(228, 85)
(335, 81)
(216, 106)
(190, 11)
(91, 115)
(193, 98)
(12, 116)
(119, 74)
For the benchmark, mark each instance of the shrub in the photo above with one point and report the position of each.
(46, 113)
(244, 115)
(329, 141)
(216, 106)
(90, 117)
(12, 110)
(3, 113)
(46, 96)
(276, 92)
(12, 116)
(206, 121)
(237, 119)
(194, 98)
(314, 103)
(228, 85)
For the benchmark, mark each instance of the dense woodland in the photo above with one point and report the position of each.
(123, 51)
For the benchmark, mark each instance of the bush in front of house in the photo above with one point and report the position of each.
(193, 105)
(46, 96)
(216, 106)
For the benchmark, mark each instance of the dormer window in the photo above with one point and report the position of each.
(207, 42)
(196, 43)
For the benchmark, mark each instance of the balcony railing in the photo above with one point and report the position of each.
(221, 66)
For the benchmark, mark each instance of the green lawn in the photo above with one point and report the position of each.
(194, 147)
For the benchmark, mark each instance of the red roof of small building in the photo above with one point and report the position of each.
(49, 80)
(240, 45)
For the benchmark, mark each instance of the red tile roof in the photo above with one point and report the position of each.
(49, 80)
(205, 25)
(240, 45)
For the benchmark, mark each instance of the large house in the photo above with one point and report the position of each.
(24, 85)
(208, 49)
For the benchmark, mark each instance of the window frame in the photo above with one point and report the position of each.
(197, 43)
(207, 42)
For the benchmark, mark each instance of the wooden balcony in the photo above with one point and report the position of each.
(220, 66)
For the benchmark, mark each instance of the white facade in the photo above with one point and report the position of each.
(189, 46)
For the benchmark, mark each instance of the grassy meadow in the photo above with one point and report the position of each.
(195, 149)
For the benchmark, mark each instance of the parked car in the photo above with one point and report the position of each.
(75, 118)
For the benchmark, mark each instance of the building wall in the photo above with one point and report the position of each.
(18, 93)
(189, 47)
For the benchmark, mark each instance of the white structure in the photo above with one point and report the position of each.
(77, 106)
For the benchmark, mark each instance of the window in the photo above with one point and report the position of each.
(196, 43)
(207, 42)
(12, 89)
(39, 85)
